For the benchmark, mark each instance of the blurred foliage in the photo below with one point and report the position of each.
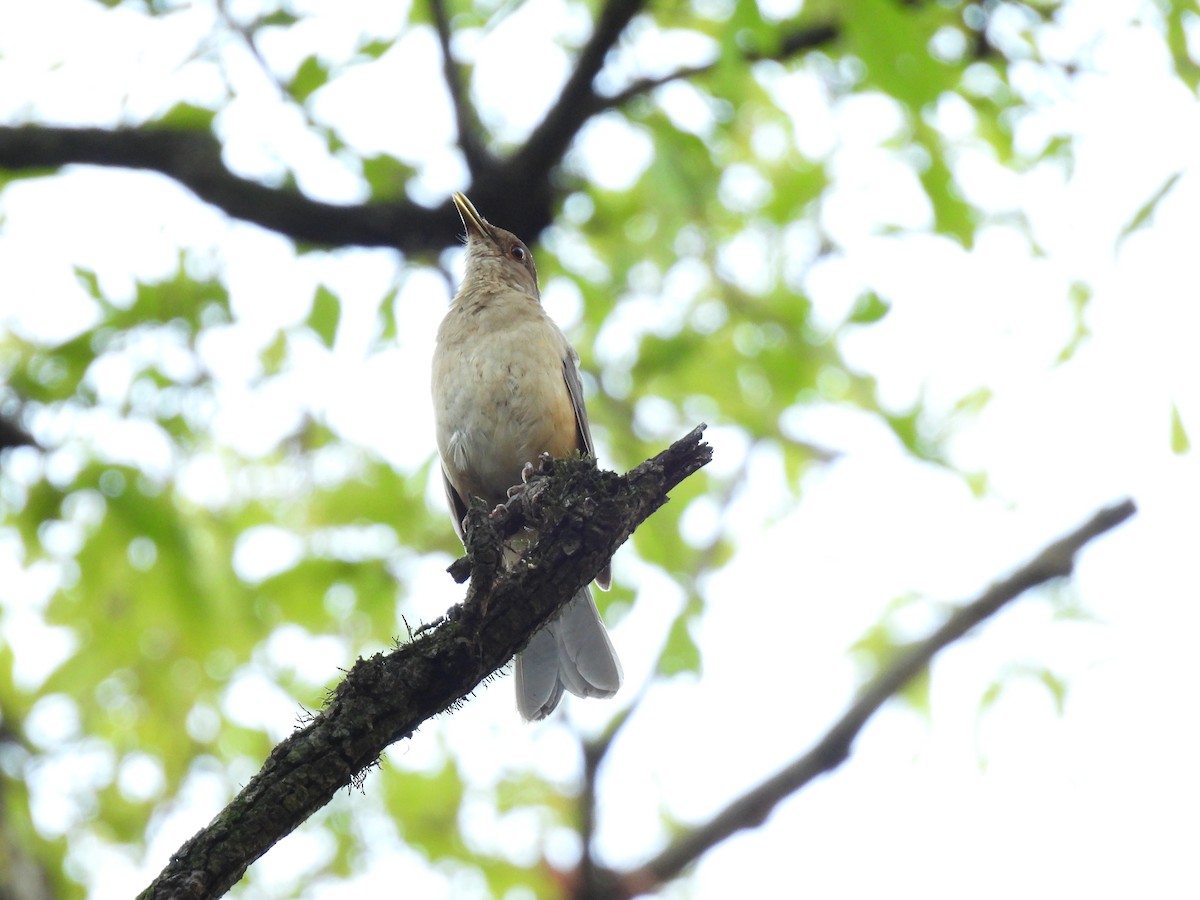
(1180, 442)
(147, 517)
(1146, 212)
(1012, 677)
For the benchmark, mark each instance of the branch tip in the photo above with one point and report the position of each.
(834, 748)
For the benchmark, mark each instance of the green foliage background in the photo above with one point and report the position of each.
(133, 514)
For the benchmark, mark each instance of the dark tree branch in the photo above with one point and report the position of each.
(480, 161)
(583, 514)
(577, 101)
(593, 755)
(790, 44)
(23, 876)
(751, 809)
(592, 879)
(517, 191)
(520, 188)
(246, 34)
(194, 160)
(12, 434)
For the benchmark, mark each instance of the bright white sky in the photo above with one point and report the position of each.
(1098, 802)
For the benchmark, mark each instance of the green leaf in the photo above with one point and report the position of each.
(905, 427)
(953, 216)
(875, 648)
(280, 18)
(1080, 295)
(1144, 214)
(916, 694)
(1057, 688)
(185, 117)
(521, 790)
(375, 49)
(1181, 16)
(1180, 444)
(680, 653)
(90, 282)
(387, 318)
(1054, 684)
(870, 308)
(326, 312)
(977, 483)
(990, 695)
(274, 354)
(387, 176)
(974, 402)
(1059, 148)
(309, 78)
(892, 40)
(182, 298)
(430, 802)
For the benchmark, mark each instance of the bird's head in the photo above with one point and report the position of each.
(494, 256)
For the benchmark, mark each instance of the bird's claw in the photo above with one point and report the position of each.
(527, 472)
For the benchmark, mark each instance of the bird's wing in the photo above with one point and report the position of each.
(458, 508)
(575, 388)
(574, 382)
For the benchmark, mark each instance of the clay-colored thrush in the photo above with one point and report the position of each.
(506, 388)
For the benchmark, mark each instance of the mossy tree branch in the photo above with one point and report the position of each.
(581, 515)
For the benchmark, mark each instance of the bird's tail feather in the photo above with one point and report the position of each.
(572, 652)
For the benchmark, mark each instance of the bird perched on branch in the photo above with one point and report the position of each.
(506, 388)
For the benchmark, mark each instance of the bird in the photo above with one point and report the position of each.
(507, 388)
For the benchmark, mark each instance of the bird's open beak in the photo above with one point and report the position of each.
(471, 219)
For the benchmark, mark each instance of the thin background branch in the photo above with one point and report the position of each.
(1057, 560)
(470, 130)
(576, 102)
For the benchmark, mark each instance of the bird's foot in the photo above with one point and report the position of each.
(545, 465)
(526, 474)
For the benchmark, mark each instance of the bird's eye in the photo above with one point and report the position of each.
(518, 252)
